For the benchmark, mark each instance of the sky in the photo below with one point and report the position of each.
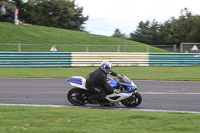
(105, 16)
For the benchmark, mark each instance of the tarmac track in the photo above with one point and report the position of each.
(157, 95)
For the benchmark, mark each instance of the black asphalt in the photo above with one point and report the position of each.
(157, 95)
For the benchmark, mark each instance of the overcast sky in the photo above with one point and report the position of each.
(107, 15)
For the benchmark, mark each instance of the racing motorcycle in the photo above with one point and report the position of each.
(128, 94)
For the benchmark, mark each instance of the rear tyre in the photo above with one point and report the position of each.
(77, 96)
(133, 100)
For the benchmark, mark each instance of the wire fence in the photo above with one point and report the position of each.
(18, 47)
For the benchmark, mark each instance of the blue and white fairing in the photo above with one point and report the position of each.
(77, 81)
(126, 82)
(127, 88)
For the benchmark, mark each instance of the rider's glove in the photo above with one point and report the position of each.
(116, 91)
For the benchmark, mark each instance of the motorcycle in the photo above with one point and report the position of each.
(128, 95)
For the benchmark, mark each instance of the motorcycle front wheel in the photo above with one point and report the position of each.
(133, 100)
(77, 96)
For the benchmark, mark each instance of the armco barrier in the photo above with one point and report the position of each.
(35, 59)
(174, 59)
(68, 59)
(117, 58)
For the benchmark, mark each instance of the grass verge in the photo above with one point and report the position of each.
(65, 40)
(23, 119)
(137, 73)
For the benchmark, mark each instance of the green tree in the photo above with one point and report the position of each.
(164, 32)
(78, 18)
(186, 28)
(147, 32)
(180, 28)
(53, 13)
(194, 35)
(118, 34)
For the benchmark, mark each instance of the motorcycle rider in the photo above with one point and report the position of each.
(97, 82)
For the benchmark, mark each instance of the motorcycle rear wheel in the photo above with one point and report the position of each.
(77, 96)
(133, 100)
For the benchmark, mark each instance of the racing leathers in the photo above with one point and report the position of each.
(97, 83)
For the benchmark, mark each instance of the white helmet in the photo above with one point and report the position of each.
(106, 66)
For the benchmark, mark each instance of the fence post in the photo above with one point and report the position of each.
(147, 48)
(87, 48)
(181, 48)
(118, 48)
(19, 47)
(175, 48)
(124, 42)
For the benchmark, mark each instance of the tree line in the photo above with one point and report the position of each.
(186, 28)
(63, 14)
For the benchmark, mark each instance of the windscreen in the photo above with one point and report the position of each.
(125, 79)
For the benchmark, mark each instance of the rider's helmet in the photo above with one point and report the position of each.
(106, 66)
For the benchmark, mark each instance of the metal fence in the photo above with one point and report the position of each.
(18, 47)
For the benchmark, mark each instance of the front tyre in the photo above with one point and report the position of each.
(77, 96)
(133, 100)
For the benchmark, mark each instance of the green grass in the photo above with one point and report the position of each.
(144, 73)
(65, 40)
(21, 119)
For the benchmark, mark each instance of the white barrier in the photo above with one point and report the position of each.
(116, 58)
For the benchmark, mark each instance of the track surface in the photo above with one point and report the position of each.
(157, 95)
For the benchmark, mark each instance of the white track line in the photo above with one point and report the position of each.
(59, 106)
(169, 93)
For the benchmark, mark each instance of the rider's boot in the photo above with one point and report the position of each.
(92, 100)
